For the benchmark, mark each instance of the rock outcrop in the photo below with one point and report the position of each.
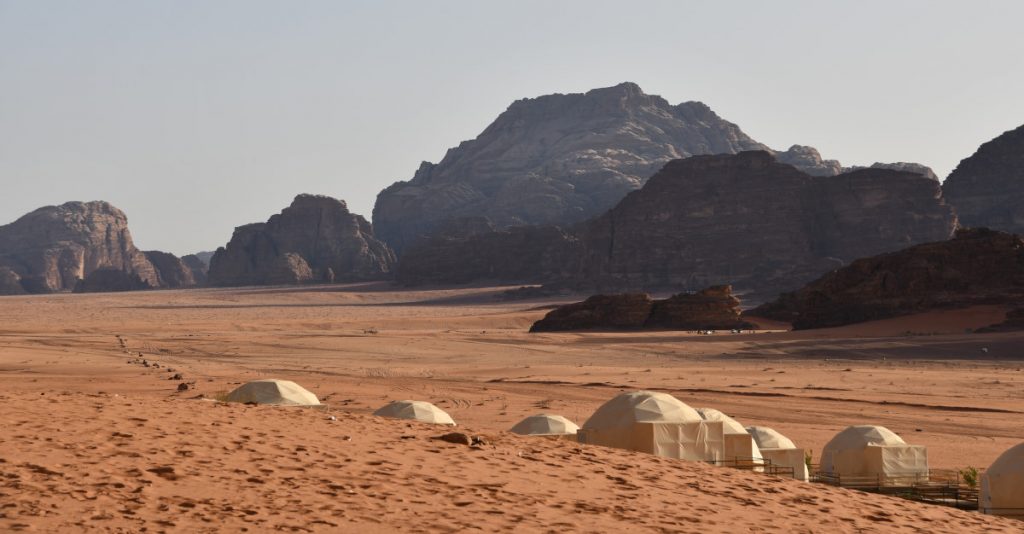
(172, 271)
(53, 248)
(10, 282)
(613, 312)
(978, 266)
(314, 239)
(757, 224)
(560, 159)
(1014, 322)
(987, 189)
(710, 309)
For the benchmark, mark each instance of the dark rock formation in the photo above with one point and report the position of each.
(197, 266)
(312, 236)
(52, 248)
(744, 219)
(917, 168)
(172, 271)
(714, 308)
(978, 266)
(710, 309)
(108, 279)
(757, 224)
(475, 251)
(625, 311)
(987, 189)
(560, 159)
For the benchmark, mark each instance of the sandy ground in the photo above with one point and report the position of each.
(91, 440)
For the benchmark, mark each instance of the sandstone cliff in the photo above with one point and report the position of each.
(316, 238)
(987, 189)
(710, 309)
(560, 159)
(53, 248)
(760, 225)
(978, 266)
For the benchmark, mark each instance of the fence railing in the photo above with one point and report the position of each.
(761, 465)
(937, 487)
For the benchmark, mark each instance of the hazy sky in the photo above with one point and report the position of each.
(196, 117)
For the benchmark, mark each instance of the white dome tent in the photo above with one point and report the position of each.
(739, 445)
(1002, 485)
(780, 450)
(416, 410)
(656, 423)
(273, 392)
(546, 425)
(869, 455)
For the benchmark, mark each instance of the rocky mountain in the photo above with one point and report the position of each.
(55, 247)
(977, 266)
(742, 219)
(710, 309)
(987, 188)
(560, 159)
(758, 224)
(314, 239)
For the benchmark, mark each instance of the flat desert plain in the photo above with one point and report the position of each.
(91, 439)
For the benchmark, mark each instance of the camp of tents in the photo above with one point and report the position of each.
(660, 424)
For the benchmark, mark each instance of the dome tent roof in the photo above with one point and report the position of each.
(860, 436)
(416, 410)
(545, 425)
(274, 392)
(730, 425)
(626, 409)
(768, 438)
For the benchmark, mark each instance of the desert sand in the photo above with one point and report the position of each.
(93, 439)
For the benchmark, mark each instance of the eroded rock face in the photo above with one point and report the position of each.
(172, 272)
(107, 279)
(314, 236)
(978, 266)
(197, 267)
(560, 159)
(757, 224)
(52, 248)
(713, 308)
(987, 189)
(476, 252)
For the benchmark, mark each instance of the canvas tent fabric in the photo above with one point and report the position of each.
(780, 451)
(416, 410)
(545, 425)
(768, 438)
(873, 452)
(1002, 485)
(273, 391)
(655, 423)
(739, 445)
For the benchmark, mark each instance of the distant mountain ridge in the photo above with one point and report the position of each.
(563, 158)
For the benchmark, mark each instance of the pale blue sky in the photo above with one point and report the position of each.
(198, 116)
